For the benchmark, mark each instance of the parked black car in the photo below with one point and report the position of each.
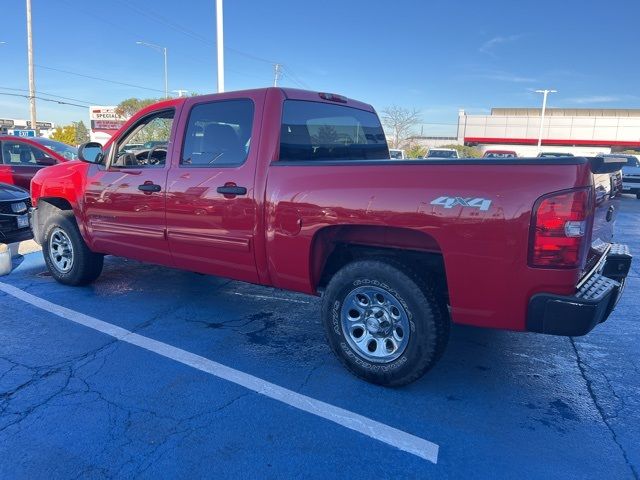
(14, 214)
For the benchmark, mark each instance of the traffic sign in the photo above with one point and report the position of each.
(22, 133)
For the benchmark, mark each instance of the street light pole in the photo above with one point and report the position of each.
(166, 75)
(162, 50)
(220, 45)
(32, 81)
(544, 93)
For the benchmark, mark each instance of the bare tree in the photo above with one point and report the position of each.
(399, 122)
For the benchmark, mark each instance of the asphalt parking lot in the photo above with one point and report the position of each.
(82, 398)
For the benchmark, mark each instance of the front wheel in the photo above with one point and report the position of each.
(384, 322)
(68, 258)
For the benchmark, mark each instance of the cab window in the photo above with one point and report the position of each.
(218, 134)
(145, 144)
(315, 131)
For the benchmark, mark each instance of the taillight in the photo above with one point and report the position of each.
(559, 229)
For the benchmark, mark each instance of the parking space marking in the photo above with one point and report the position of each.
(378, 431)
(265, 297)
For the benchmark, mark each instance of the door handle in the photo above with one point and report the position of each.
(232, 190)
(149, 187)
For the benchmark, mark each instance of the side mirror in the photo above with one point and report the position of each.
(90, 152)
(46, 161)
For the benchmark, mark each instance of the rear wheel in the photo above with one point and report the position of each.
(66, 254)
(384, 322)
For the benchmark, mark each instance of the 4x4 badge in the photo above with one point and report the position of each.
(449, 202)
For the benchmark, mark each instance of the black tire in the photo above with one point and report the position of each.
(428, 321)
(86, 265)
(638, 195)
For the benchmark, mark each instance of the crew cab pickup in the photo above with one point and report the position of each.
(296, 190)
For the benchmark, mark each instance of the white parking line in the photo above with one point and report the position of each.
(371, 428)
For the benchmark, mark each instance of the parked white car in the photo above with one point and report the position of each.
(397, 154)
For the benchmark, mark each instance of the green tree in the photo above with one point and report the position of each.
(65, 134)
(82, 134)
(464, 151)
(127, 108)
(416, 151)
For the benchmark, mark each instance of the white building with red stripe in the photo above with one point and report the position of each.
(581, 131)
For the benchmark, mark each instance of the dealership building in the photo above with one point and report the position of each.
(581, 131)
(22, 128)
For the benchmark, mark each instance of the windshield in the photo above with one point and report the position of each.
(499, 155)
(62, 149)
(555, 154)
(442, 154)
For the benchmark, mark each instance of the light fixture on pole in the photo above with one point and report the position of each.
(220, 45)
(544, 93)
(162, 50)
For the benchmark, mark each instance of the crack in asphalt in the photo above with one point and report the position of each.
(310, 374)
(75, 381)
(582, 366)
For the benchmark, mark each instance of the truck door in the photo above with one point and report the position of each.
(211, 209)
(125, 199)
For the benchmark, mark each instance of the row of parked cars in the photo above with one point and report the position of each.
(20, 159)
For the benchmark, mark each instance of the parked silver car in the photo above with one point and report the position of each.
(631, 176)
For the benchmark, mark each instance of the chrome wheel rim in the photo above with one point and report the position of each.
(375, 324)
(60, 250)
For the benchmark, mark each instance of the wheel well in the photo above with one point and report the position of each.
(46, 208)
(59, 203)
(337, 246)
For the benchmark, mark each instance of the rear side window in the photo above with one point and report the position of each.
(17, 154)
(320, 131)
(218, 134)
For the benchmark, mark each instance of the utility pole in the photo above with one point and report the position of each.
(32, 82)
(276, 73)
(544, 93)
(220, 45)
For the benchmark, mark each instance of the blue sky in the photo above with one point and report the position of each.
(436, 56)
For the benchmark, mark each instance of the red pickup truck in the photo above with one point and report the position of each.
(295, 190)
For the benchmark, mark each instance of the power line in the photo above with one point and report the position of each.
(287, 73)
(60, 102)
(99, 78)
(190, 33)
(51, 95)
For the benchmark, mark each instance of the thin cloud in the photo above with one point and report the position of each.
(596, 99)
(488, 46)
(508, 77)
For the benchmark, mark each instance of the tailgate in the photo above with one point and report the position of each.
(604, 218)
